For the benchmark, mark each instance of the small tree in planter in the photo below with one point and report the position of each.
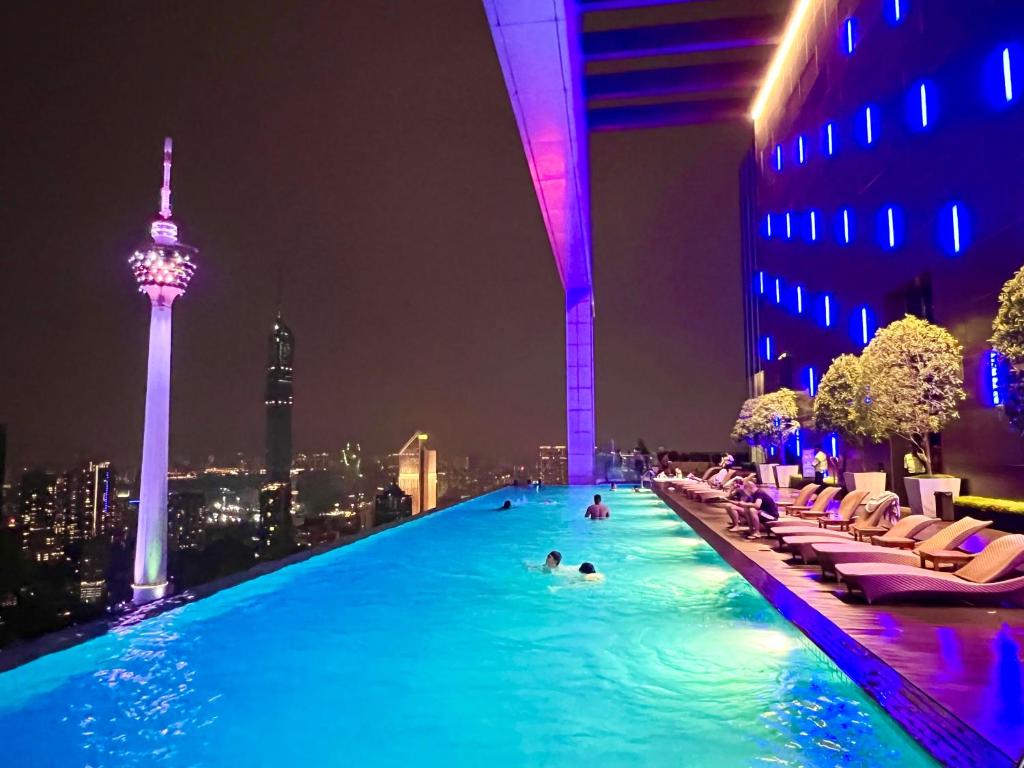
(913, 378)
(743, 429)
(1008, 340)
(1008, 326)
(839, 405)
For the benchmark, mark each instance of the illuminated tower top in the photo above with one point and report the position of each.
(164, 267)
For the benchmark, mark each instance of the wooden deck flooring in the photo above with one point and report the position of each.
(953, 676)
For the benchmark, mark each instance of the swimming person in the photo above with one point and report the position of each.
(553, 560)
(589, 572)
(597, 510)
(506, 505)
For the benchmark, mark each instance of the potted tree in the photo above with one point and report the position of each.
(769, 421)
(913, 381)
(749, 429)
(839, 407)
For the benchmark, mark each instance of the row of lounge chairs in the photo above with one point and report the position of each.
(868, 546)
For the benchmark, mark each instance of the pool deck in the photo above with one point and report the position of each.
(953, 676)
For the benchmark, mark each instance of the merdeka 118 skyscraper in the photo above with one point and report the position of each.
(163, 269)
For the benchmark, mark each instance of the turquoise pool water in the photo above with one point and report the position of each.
(432, 644)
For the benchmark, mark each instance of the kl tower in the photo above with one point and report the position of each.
(163, 269)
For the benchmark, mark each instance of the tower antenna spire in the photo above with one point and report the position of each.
(165, 190)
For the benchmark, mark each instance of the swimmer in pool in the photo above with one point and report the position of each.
(506, 505)
(551, 563)
(589, 572)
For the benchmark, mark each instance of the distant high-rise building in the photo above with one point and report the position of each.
(3, 465)
(86, 502)
(553, 464)
(276, 492)
(38, 516)
(417, 472)
(186, 512)
(279, 402)
(163, 268)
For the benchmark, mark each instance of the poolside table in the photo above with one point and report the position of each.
(952, 557)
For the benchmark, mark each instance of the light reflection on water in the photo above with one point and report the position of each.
(433, 645)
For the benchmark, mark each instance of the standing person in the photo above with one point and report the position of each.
(820, 465)
(597, 510)
(912, 464)
(644, 456)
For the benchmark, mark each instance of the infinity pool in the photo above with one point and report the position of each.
(432, 644)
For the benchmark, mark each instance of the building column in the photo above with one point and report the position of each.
(579, 386)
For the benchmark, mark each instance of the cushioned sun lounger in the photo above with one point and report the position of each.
(990, 576)
(806, 546)
(830, 556)
(815, 510)
(847, 511)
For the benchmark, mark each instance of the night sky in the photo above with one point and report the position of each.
(368, 152)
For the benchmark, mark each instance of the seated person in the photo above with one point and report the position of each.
(597, 510)
(758, 505)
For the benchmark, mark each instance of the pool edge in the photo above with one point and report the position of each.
(20, 653)
(939, 731)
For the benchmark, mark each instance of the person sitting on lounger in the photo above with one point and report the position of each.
(597, 510)
(758, 506)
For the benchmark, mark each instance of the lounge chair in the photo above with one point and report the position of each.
(815, 510)
(887, 549)
(803, 498)
(843, 518)
(805, 546)
(837, 530)
(984, 578)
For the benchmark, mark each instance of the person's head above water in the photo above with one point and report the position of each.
(507, 504)
(597, 498)
(587, 568)
(553, 559)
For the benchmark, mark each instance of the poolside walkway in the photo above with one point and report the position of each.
(953, 676)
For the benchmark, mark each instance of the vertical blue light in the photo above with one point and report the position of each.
(768, 224)
(924, 105)
(834, 440)
(843, 226)
(789, 225)
(846, 226)
(995, 373)
(801, 157)
(828, 311)
(864, 325)
(798, 442)
(895, 11)
(830, 139)
(811, 383)
(778, 157)
(848, 35)
(954, 228)
(766, 346)
(869, 128)
(778, 291)
(955, 216)
(760, 282)
(814, 226)
(890, 227)
(1007, 76)
(799, 300)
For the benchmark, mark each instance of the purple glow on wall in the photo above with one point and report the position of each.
(163, 270)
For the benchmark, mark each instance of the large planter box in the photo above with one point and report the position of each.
(1008, 522)
(921, 492)
(872, 482)
(785, 471)
(766, 473)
